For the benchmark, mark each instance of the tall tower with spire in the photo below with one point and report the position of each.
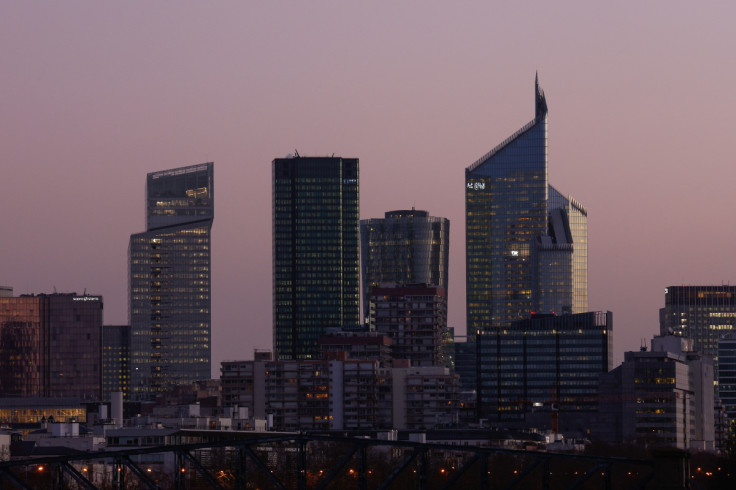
(526, 243)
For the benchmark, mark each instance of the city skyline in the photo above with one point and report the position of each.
(640, 97)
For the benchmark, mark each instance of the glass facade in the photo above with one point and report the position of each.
(546, 360)
(51, 346)
(405, 247)
(700, 313)
(115, 360)
(169, 282)
(526, 244)
(315, 251)
(726, 373)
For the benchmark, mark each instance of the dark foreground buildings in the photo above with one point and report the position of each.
(315, 251)
(51, 346)
(169, 282)
(545, 364)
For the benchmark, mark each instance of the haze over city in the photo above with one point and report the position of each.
(95, 96)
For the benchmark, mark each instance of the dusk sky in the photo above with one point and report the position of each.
(94, 95)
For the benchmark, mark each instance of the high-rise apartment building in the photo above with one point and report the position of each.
(51, 346)
(405, 247)
(526, 242)
(169, 279)
(315, 251)
(700, 313)
(415, 318)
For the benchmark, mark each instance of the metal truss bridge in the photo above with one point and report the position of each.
(303, 461)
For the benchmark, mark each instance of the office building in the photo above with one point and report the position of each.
(405, 247)
(415, 318)
(526, 242)
(169, 282)
(315, 251)
(51, 346)
(115, 360)
(700, 313)
(545, 362)
(726, 373)
(660, 397)
(465, 361)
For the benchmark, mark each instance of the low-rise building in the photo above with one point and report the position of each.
(341, 394)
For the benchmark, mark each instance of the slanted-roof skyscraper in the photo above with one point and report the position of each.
(526, 245)
(170, 282)
(315, 251)
(526, 242)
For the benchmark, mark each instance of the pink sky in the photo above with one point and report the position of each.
(94, 95)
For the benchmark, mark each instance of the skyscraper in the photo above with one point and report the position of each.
(169, 282)
(315, 251)
(526, 245)
(405, 247)
(700, 313)
(526, 242)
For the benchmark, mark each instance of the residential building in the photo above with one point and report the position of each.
(404, 247)
(700, 313)
(546, 362)
(51, 346)
(358, 346)
(341, 394)
(115, 360)
(423, 397)
(526, 243)
(415, 318)
(660, 397)
(315, 251)
(169, 282)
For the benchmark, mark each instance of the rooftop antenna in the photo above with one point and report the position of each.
(54, 289)
(85, 292)
(296, 153)
(643, 347)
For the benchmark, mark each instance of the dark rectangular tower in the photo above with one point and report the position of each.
(170, 282)
(51, 346)
(315, 251)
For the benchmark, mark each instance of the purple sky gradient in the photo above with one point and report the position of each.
(95, 95)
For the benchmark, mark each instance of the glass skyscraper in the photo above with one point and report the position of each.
(315, 251)
(700, 313)
(169, 279)
(526, 245)
(405, 247)
(526, 242)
